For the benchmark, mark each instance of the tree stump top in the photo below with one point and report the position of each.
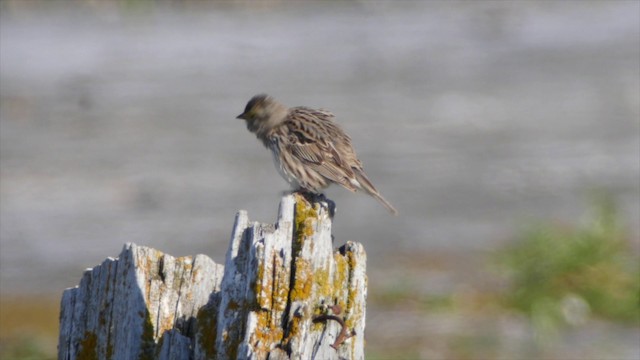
(283, 293)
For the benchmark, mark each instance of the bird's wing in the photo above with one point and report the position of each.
(315, 140)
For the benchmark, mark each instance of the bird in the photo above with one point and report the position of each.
(310, 150)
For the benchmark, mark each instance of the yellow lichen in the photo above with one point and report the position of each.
(329, 284)
(340, 284)
(267, 333)
(302, 282)
(280, 292)
(262, 290)
(355, 306)
(293, 329)
(306, 216)
(321, 280)
(272, 288)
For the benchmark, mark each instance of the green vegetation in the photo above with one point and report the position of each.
(29, 327)
(560, 275)
(26, 348)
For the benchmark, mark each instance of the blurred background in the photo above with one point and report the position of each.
(507, 134)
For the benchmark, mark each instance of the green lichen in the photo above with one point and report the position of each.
(109, 350)
(147, 352)
(231, 345)
(233, 335)
(207, 320)
(88, 346)
(233, 305)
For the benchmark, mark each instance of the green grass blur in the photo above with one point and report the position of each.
(563, 274)
(29, 327)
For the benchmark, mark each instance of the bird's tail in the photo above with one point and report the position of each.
(367, 186)
(385, 203)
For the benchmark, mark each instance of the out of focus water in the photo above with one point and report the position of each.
(117, 123)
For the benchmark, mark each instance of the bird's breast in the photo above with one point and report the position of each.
(274, 146)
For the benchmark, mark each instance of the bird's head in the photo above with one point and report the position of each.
(263, 113)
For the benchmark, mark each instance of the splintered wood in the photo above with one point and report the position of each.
(283, 293)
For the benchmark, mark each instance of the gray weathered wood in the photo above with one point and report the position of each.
(262, 304)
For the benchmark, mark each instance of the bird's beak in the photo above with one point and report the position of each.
(241, 116)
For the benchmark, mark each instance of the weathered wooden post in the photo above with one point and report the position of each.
(283, 293)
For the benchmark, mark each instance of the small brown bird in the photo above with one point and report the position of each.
(309, 148)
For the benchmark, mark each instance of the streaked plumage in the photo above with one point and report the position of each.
(309, 148)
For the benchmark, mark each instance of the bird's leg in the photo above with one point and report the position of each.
(331, 206)
(314, 197)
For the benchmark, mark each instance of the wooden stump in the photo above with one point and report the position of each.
(283, 293)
